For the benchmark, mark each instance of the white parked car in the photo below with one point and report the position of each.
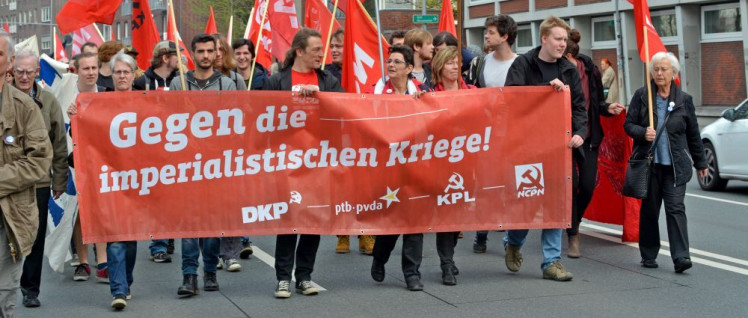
(726, 147)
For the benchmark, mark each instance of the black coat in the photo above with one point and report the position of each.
(686, 148)
(150, 80)
(598, 106)
(281, 81)
(526, 72)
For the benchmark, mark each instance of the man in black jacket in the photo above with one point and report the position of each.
(163, 68)
(301, 73)
(545, 65)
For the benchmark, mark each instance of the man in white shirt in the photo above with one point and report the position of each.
(491, 70)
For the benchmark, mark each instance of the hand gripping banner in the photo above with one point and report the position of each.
(208, 164)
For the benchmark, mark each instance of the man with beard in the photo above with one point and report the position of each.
(422, 44)
(163, 68)
(204, 77)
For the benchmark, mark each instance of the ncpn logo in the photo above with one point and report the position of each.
(529, 179)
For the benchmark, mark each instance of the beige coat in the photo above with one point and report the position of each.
(55, 124)
(26, 157)
(610, 81)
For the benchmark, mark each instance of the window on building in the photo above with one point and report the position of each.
(721, 21)
(46, 14)
(127, 29)
(46, 43)
(664, 23)
(524, 38)
(603, 32)
(106, 31)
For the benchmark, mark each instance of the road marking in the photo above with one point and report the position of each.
(716, 199)
(270, 261)
(697, 260)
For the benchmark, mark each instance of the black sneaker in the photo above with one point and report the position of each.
(246, 251)
(161, 257)
(306, 288)
(649, 263)
(210, 282)
(170, 247)
(283, 290)
(682, 264)
(82, 273)
(31, 301)
(119, 302)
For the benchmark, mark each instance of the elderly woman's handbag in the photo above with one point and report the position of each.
(636, 183)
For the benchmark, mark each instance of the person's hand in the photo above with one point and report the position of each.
(576, 141)
(418, 94)
(557, 84)
(650, 134)
(56, 194)
(308, 90)
(615, 108)
(702, 173)
(72, 110)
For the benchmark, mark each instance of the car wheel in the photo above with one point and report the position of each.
(712, 181)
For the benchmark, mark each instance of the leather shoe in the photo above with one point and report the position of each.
(448, 277)
(189, 286)
(31, 301)
(210, 282)
(682, 264)
(649, 263)
(455, 271)
(377, 271)
(414, 284)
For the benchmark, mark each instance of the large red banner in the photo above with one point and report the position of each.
(209, 164)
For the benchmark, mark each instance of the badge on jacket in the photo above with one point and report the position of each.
(9, 140)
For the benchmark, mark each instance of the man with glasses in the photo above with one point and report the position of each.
(164, 67)
(26, 69)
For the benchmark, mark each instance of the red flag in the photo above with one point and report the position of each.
(318, 17)
(283, 22)
(114, 35)
(642, 18)
(447, 18)
(343, 5)
(6, 27)
(361, 64)
(76, 14)
(265, 44)
(59, 49)
(174, 37)
(211, 27)
(85, 34)
(144, 33)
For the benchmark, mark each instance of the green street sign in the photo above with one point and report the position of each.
(426, 18)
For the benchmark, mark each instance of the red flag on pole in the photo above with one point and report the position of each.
(211, 27)
(447, 18)
(170, 36)
(263, 46)
(361, 66)
(318, 17)
(283, 22)
(85, 34)
(6, 27)
(59, 49)
(76, 14)
(144, 33)
(642, 18)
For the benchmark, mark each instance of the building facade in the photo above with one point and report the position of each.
(706, 36)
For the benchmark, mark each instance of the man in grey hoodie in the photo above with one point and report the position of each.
(204, 77)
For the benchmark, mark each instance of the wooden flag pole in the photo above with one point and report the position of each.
(99, 32)
(459, 37)
(257, 46)
(231, 30)
(379, 36)
(649, 80)
(54, 43)
(329, 34)
(174, 30)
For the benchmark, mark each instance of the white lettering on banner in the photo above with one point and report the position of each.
(404, 152)
(456, 182)
(261, 213)
(288, 7)
(361, 58)
(529, 180)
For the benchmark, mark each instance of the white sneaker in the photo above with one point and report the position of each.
(232, 265)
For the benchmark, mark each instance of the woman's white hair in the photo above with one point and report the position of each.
(665, 55)
(121, 56)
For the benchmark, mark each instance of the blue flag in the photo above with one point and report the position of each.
(47, 72)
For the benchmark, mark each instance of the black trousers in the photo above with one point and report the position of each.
(304, 254)
(584, 186)
(662, 189)
(445, 247)
(412, 253)
(31, 278)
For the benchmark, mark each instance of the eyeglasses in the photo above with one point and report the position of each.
(20, 73)
(396, 61)
(122, 73)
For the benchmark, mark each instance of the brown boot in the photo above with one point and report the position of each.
(366, 244)
(573, 251)
(343, 246)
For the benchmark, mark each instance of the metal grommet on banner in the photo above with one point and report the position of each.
(501, 226)
(294, 230)
(568, 178)
(568, 132)
(429, 229)
(151, 236)
(362, 232)
(501, 89)
(432, 93)
(568, 225)
(223, 233)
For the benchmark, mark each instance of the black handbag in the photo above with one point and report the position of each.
(636, 183)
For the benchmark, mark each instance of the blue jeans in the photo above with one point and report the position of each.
(191, 248)
(550, 239)
(121, 261)
(158, 246)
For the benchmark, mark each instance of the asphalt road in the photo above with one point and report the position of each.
(608, 281)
